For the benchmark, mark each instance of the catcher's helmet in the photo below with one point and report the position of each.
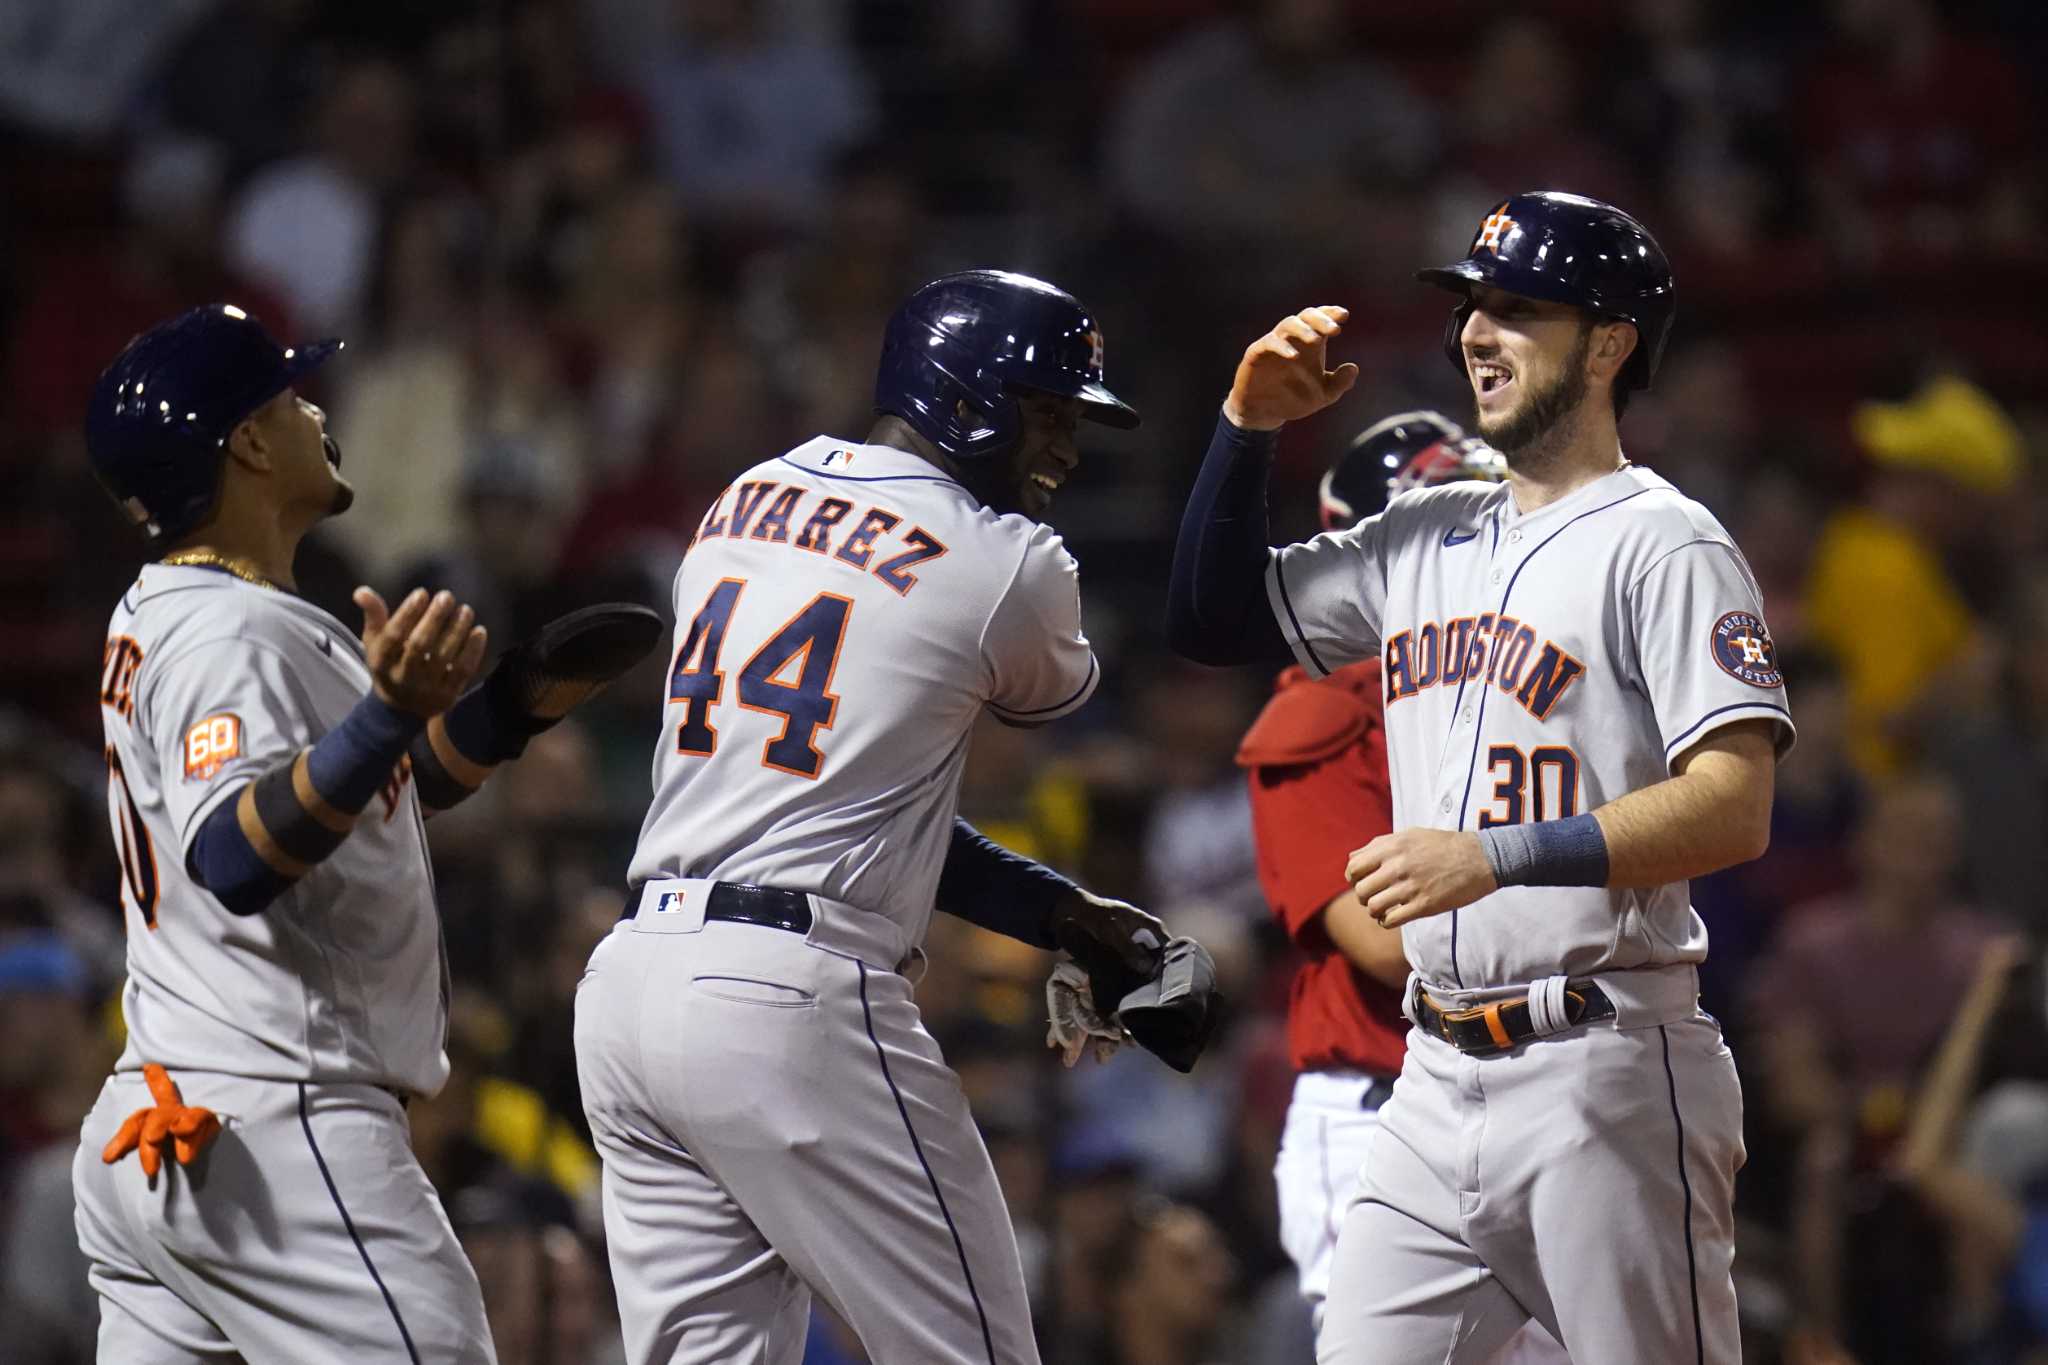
(161, 414)
(971, 337)
(1569, 249)
(1408, 450)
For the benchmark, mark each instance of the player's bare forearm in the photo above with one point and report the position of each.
(1366, 944)
(1715, 813)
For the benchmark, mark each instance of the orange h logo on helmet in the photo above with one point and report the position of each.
(1496, 226)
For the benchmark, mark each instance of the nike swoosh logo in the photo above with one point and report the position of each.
(1453, 538)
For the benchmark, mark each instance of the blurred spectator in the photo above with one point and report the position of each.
(405, 410)
(499, 555)
(239, 80)
(1920, 137)
(1814, 816)
(1842, 1058)
(710, 428)
(818, 306)
(50, 1308)
(1095, 1198)
(1698, 427)
(1990, 735)
(628, 314)
(1015, 790)
(513, 859)
(542, 1290)
(52, 836)
(71, 69)
(1982, 1221)
(483, 1134)
(1517, 126)
(750, 153)
(1168, 1276)
(96, 290)
(1198, 847)
(1879, 595)
(1270, 136)
(50, 1071)
(1688, 90)
(307, 225)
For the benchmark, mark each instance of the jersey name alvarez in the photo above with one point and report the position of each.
(876, 541)
(844, 616)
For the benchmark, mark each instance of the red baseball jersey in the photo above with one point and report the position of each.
(1317, 757)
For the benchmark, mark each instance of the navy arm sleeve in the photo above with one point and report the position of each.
(1216, 608)
(257, 843)
(1007, 893)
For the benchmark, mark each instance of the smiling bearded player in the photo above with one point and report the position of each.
(1582, 711)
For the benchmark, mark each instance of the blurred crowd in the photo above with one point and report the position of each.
(591, 257)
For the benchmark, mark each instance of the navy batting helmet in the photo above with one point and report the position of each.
(160, 416)
(976, 337)
(1567, 248)
(1408, 450)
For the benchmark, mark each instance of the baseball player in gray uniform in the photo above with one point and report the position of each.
(1582, 712)
(774, 1119)
(287, 993)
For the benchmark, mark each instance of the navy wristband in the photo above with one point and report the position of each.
(1567, 852)
(353, 761)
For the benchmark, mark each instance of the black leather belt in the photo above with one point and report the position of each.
(738, 903)
(1506, 1024)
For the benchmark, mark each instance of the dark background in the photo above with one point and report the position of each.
(593, 258)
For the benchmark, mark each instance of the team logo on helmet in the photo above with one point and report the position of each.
(1496, 226)
(1743, 648)
(1095, 349)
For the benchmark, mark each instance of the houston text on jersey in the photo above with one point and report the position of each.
(1459, 650)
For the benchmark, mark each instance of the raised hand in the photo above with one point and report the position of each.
(423, 655)
(1282, 377)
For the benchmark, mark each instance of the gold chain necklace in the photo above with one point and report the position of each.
(203, 559)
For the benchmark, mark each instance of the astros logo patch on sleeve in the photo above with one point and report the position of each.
(1743, 648)
(210, 743)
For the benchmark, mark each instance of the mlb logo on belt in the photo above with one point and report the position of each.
(670, 903)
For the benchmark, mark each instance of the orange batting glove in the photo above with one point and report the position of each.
(188, 1128)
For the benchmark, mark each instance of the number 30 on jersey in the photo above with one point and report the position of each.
(1541, 784)
(789, 676)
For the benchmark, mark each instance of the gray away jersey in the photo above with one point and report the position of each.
(842, 618)
(1538, 666)
(209, 682)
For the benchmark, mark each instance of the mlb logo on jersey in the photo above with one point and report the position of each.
(1743, 648)
(838, 459)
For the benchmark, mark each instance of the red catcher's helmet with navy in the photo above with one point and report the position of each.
(157, 426)
(1408, 450)
(1566, 248)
